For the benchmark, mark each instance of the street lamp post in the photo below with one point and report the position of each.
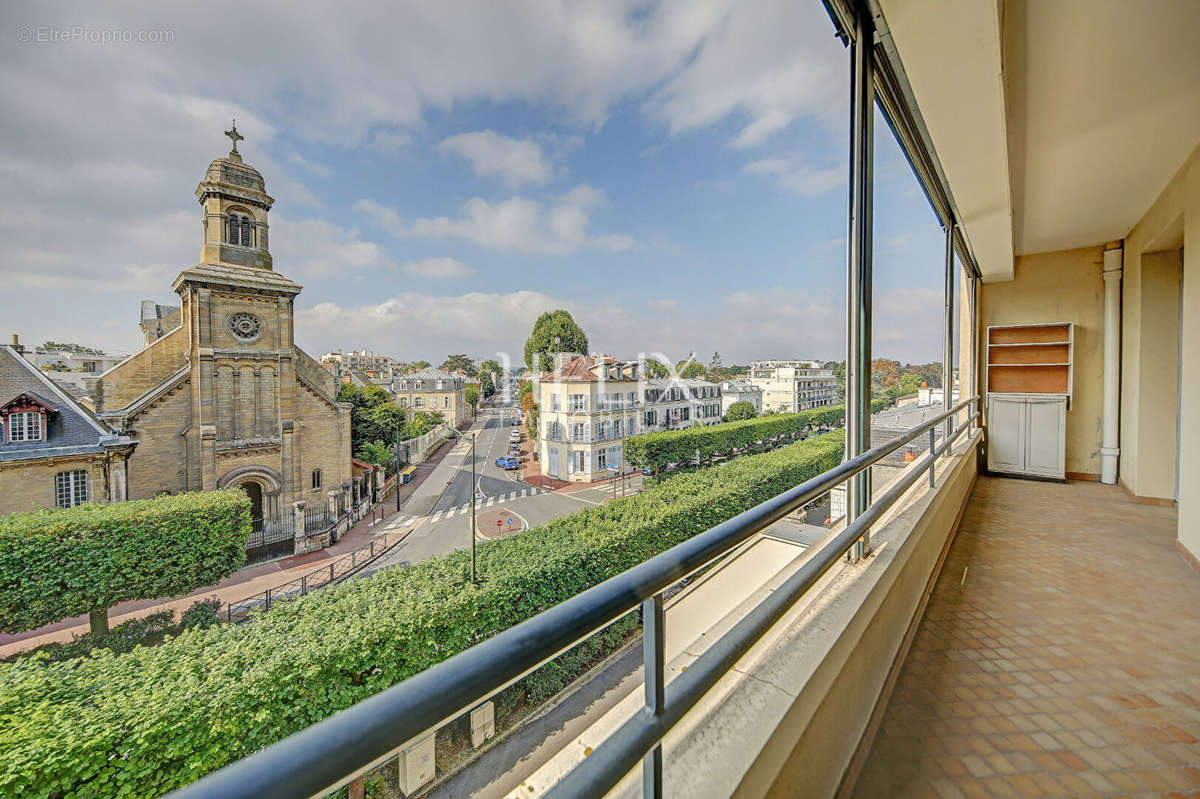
(473, 508)
(399, 425)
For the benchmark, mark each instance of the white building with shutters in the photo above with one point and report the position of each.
(587, 407)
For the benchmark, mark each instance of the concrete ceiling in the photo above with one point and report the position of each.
(1057, 122)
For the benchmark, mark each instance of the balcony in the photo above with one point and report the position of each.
(1057, 655)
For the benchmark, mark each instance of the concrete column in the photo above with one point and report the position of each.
(332, 496)
(287, 458)
(1109, 451)
(347, 500)
(358, 491)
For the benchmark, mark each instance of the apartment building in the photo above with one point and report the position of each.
(675, 403)
(372, 363)
(793, 386)
(588, 406)
(738, 390)
(433, 390)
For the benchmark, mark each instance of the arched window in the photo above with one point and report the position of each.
(240, 230)
(316, 478)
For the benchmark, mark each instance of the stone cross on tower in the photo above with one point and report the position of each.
(234, 137)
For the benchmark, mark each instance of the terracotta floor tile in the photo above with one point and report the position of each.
(1067, 663)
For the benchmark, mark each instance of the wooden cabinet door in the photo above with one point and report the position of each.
(1045, 437)
(1006, 434)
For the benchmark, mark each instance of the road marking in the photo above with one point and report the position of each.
(581, 499)
(451, 512)
(436, 516)
(490, 501)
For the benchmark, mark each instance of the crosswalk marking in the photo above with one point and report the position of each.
(436, 516)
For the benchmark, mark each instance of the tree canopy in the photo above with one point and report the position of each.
(471, 395)
(656, 368)
(553, 332)
(460, 361)
(741, 410)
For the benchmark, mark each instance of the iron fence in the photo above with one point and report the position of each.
(240, 611)
(270, 537)
(316, 518)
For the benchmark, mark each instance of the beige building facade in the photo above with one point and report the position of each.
(226, 398)
(432, 390)
(587, 407)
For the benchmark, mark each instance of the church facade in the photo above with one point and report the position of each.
(225, 397)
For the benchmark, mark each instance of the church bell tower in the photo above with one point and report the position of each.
(235, 202)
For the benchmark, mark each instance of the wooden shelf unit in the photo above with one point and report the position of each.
(1031, 359)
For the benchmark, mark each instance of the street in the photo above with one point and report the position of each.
(446, 527)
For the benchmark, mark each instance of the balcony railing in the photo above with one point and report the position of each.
(378, 728)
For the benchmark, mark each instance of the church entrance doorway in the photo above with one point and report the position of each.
(272, 534)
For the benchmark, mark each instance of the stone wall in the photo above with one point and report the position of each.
(29, 484)
(162, 461)
(132, 378)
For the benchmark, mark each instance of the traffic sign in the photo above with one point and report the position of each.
(510, 521)
(499, 523)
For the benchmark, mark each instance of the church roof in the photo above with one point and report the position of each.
(222, 274)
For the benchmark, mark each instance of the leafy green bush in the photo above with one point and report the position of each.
(144, 631)
(69, 561)
(203, 614)
(741, 410)
(157, 718)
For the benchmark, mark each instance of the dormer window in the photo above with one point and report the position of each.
(26, 426)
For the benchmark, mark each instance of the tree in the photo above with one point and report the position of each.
(417, 366)
(741, 410)
(486, 386)
(526, 388)
(460, 361)
(527, 402)
(715, 363)
(71, 561)
(655, 368)
(909, 383)
(380, 454)
(472, 396)
(553, 332)
(374, 415)
(691, 370)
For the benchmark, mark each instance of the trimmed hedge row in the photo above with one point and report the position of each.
(69, 561)
(157, 718)
(656, 450)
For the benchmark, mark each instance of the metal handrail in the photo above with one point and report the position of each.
(375, 729)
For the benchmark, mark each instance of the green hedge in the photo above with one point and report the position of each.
(154, 719)
(69, 561)
(655, 450)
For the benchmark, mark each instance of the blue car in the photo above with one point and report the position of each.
(508, 462)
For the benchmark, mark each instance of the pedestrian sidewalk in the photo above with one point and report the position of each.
(436, 472)
(240, 585)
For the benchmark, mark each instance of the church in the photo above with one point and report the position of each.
(221, 395)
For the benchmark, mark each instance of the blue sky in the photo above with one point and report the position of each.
(672, 174)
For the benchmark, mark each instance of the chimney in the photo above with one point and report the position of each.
(16, 344)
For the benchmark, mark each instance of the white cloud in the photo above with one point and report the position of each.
(520, 224)
(319, 170)
(390, 142)
(795, 176)
(744, 326)
(381, 216)
(316, 247)
(440, 268)
(516, 161)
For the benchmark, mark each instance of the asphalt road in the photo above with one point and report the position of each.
(490, 480)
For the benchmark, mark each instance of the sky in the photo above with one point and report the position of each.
(674, 174)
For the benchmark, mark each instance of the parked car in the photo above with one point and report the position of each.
(507, 462)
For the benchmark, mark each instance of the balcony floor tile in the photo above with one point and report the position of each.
(1059, 655)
